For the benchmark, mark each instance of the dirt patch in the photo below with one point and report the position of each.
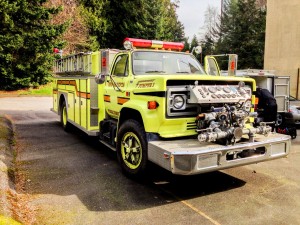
(14, 203)
(4, 94)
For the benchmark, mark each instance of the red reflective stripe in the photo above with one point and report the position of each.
(107, 98)
(121, 100)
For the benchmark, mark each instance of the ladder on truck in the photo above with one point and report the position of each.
(75, 64)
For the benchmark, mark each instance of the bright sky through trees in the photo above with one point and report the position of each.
(191, 14)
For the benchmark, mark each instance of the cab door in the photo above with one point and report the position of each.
(116, 93)
(211, 66)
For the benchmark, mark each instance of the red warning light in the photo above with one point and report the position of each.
(103, 62)
(232, 65)
(55, 50)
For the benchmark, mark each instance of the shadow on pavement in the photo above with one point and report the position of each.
(55, 162)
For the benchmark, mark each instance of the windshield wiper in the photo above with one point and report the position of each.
(183, 72)
(155, 71)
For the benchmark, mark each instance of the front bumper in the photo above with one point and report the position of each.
(189, 156)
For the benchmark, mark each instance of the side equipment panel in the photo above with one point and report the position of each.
(82, 97)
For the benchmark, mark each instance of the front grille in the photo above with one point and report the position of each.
(191, 126)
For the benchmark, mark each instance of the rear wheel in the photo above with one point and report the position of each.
(279, 120)
(132, 148)
(64, 117)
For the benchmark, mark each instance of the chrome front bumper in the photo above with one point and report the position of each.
(189, 156)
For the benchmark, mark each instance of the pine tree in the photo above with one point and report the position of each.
(242, 31)
(170, 28)
(193, 45)
(111, 21)
(26, 43)
(95, 13)
(186, 45)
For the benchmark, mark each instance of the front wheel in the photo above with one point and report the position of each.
(132, 148)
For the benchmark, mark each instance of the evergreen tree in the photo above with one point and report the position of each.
(26, 43)
(193, 45)
(112, 21)
(94, 14)
(242, 31)
(186, 45)
(150, 19)
(169, 27)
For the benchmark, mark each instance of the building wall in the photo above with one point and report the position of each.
(282, 46)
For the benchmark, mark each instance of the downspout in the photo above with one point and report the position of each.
(298, 74)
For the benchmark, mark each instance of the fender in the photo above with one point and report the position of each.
(151, 118)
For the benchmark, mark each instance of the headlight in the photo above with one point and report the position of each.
(179, 102)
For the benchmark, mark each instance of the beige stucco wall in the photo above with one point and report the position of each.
(282, 46)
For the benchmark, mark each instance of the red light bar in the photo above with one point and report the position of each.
(139, 42)
(142, 43)
(173, 45)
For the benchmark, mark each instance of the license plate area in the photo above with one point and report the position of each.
(246, 153)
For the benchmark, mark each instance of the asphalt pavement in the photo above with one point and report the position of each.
(70, 178)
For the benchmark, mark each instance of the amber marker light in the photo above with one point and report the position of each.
(152, 104)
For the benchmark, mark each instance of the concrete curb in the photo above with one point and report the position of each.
(6, 169)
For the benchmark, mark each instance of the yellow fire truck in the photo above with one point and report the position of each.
(152, 102)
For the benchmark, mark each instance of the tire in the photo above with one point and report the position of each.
(64, 118)
(132, 152)
(279, 120)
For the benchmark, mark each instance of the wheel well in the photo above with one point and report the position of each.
(61, 100)
(127, 113)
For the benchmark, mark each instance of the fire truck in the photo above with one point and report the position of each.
(152, 102)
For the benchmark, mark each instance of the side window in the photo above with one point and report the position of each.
(212, 66)
(121, 66)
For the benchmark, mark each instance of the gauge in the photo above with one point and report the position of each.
(212, 89)
(226, 89)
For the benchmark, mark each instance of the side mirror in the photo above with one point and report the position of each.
(198, 49)
(100, 78)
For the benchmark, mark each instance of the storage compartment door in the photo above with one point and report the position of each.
(71, 106)
(282, 93)
(83, 103)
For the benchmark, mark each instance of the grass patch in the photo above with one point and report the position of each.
(44, 90)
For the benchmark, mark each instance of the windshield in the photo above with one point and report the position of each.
(164, 63)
